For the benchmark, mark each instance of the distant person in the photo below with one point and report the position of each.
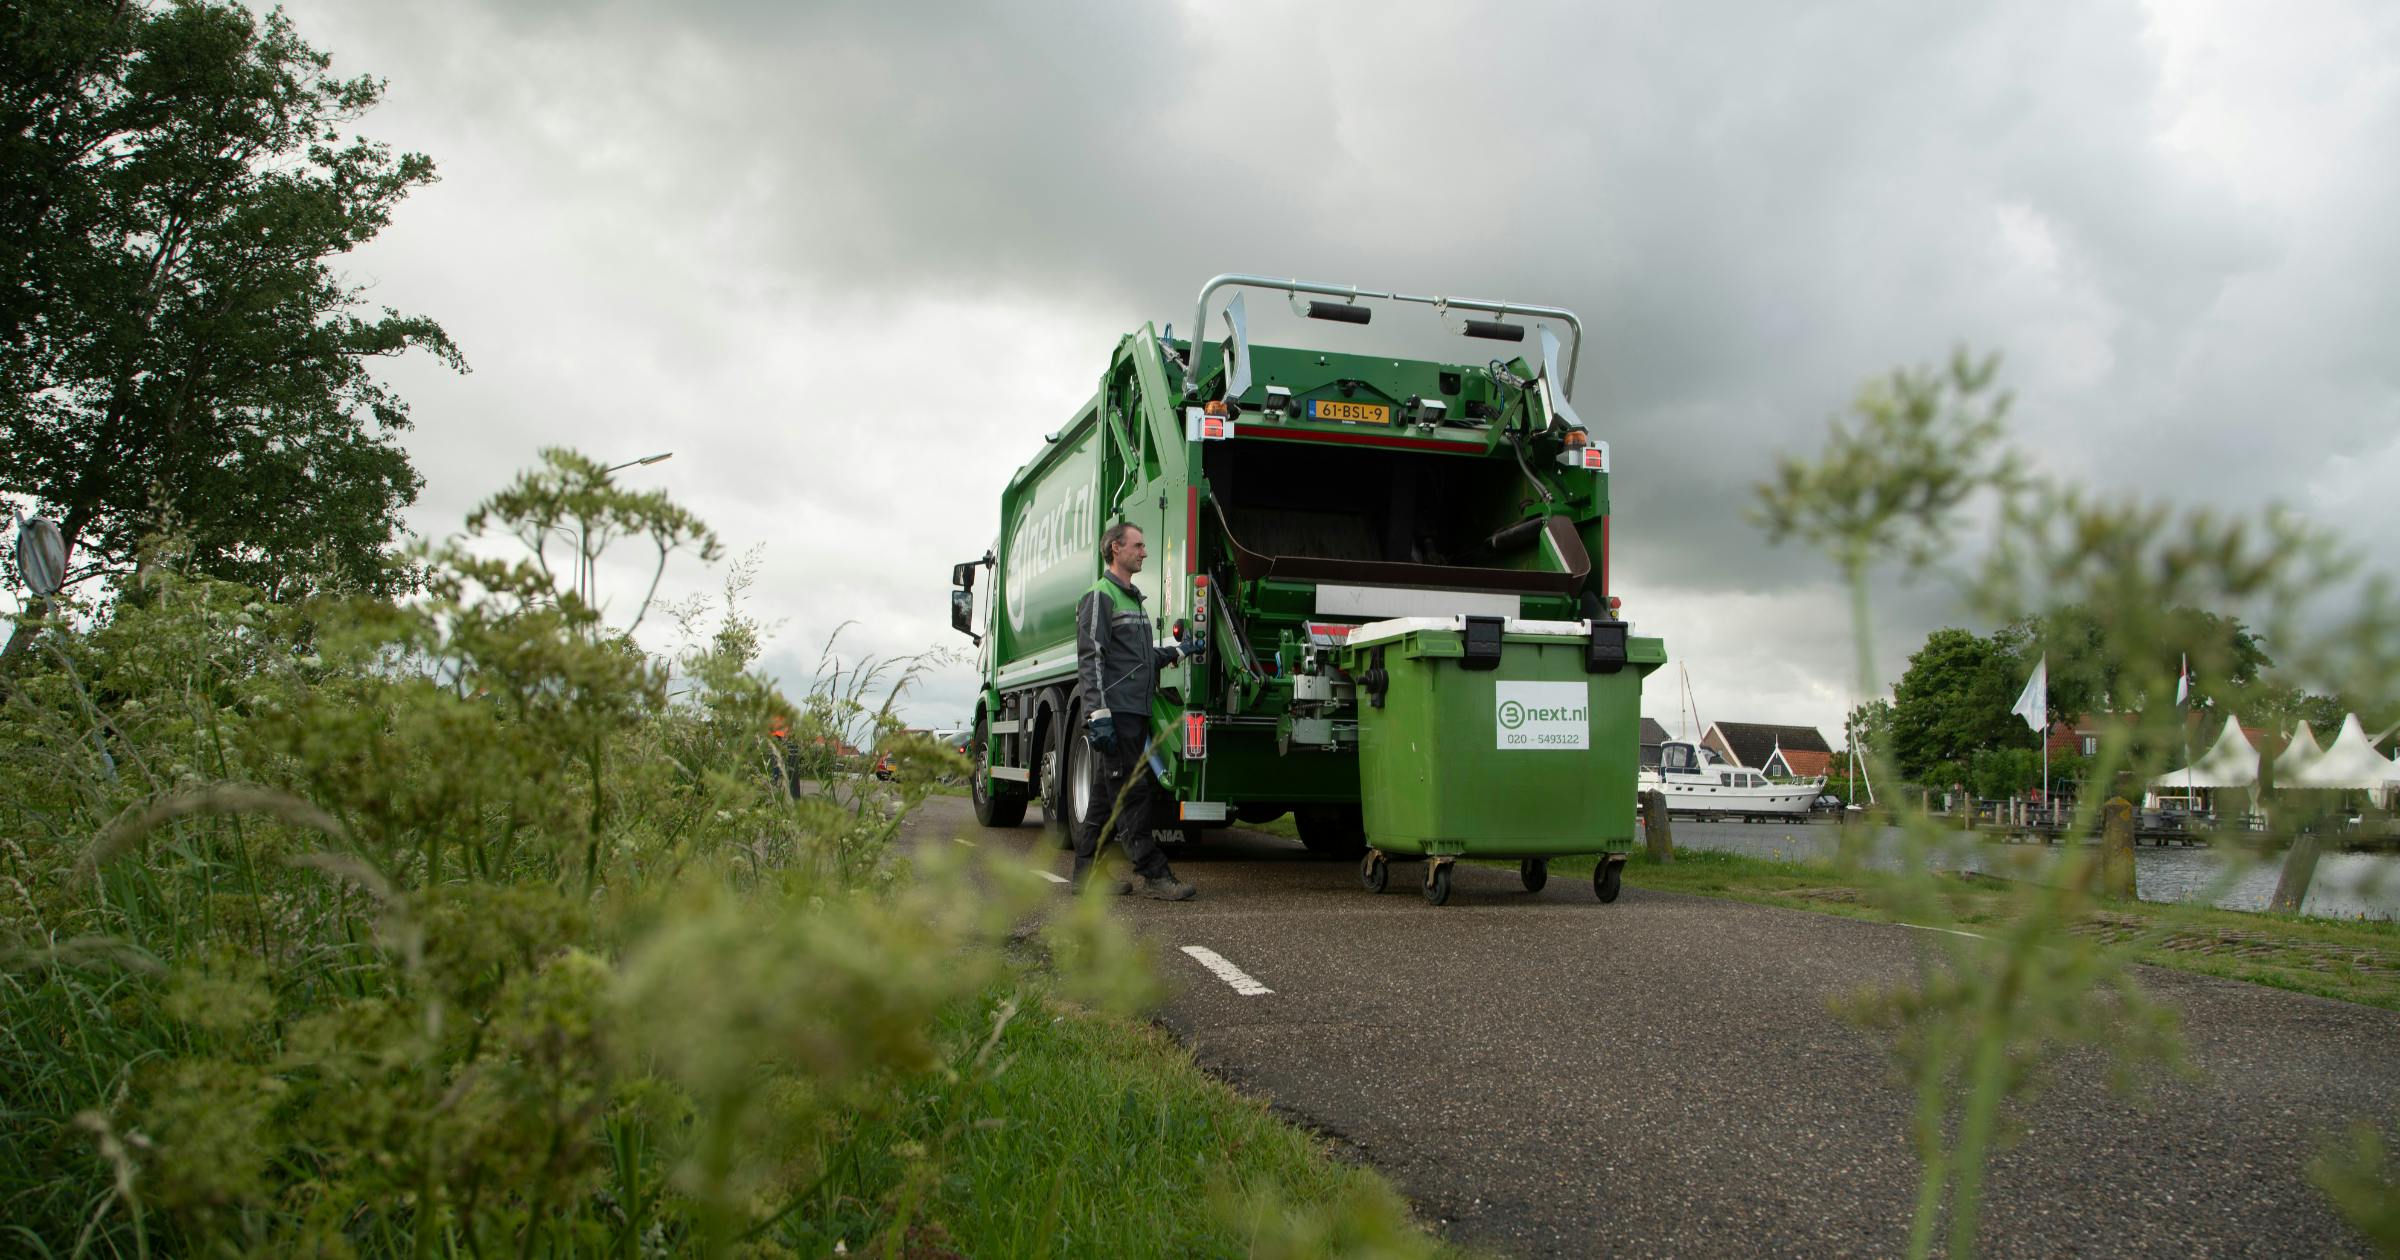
(1117, 660)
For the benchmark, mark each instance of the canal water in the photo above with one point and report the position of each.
(2347, 885)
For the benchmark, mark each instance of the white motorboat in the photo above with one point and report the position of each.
(1698, 781)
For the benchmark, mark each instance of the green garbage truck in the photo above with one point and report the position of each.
(1393, 562)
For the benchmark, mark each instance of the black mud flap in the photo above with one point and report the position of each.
(1604, 653)
(1483, 643)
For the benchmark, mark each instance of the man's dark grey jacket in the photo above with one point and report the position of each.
(1117, 657)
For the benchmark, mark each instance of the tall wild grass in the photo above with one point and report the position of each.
(463, 926)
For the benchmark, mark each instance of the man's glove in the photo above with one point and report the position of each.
(1101, 729)
(1194, 645)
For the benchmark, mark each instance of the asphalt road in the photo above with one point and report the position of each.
(1544, 1075)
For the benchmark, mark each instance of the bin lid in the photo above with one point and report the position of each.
(1396, 627)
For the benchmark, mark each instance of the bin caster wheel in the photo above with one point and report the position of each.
(1437, 882)
(1608, 879)
(1535, 872)
(1374, 872)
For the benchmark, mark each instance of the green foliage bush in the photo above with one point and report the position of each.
(361, 927)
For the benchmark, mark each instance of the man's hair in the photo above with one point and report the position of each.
(1115, 535)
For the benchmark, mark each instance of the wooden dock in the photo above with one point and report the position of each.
(2029, 833)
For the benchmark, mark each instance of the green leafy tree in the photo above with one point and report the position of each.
(2089, 674)
(175, 341)
(1954, 702)
(2007, 771)
(1870, 727)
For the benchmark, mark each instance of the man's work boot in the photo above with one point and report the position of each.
(1168, 888)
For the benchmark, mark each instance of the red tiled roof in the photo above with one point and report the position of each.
(1806, 763)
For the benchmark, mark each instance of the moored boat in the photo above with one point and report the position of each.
(1698, 781)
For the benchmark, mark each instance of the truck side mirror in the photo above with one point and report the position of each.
(962, 576)
(962, 614)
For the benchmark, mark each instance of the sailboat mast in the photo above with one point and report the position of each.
(1691, 705)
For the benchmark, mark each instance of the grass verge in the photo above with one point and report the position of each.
(2345, 959)
(1102, 1138)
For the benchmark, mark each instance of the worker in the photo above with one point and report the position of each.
(1117, 659)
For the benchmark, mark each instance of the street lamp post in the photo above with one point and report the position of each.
(660, 458)
(586, 586)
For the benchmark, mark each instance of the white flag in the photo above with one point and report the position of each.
(2183, 683)
(2033, 704)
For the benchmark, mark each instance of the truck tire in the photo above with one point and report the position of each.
(1334, 831)
(1050, 763)
(991, 808)
(1076, 772)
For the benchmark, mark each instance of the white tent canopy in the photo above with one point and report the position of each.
(2231, 763)
(2351, 762)
(2298, 754)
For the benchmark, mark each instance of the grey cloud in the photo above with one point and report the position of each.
(1754, 206)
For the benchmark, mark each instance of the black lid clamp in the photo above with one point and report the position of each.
(1604, 651)
(1483, 643)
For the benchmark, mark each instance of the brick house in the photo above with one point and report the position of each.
(2083, 735)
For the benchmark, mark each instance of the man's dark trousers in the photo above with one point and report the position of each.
(1117, 766)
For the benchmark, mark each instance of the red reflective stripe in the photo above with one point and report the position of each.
(1191, 532)
(1359, 439)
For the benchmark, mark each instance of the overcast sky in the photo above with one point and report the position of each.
(851, 261)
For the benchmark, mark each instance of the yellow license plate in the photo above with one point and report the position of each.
(1349, 412)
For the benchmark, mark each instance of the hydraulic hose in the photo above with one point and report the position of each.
(1516, 442)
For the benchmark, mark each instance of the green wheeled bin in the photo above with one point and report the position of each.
(1487, 737)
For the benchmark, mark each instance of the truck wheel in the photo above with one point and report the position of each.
(1054, 804)
(1077, 796)
(991, 809)
(1334, 831)
(1534, 872)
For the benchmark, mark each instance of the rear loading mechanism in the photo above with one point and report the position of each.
(1289, 498)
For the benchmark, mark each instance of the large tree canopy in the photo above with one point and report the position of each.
(176, 347)
(2099, 667)
(1951, 714)
(1953, 701)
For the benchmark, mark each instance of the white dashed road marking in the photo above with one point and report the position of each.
(1055, 879)
(1927, 927)
(1227, 972)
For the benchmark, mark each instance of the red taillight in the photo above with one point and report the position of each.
(1195, 736)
